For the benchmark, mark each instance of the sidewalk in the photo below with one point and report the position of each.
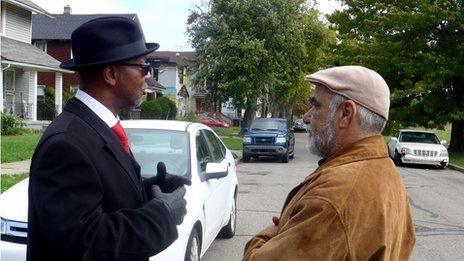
(17, 167)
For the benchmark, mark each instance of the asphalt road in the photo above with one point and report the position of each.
(436, 197)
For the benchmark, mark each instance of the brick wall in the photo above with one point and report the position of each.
(60, 50)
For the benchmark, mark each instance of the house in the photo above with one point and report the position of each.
(173, 70)
(21, 61)
(53, 36)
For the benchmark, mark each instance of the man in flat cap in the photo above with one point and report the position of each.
(87, 200)
(354, 206)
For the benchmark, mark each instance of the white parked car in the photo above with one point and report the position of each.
(418, 147)
(189, 149)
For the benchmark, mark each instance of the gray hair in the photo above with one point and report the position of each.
(371, 122)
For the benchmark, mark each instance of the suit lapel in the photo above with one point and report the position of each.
(112, 143)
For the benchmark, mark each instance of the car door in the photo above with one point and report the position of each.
(214, 200)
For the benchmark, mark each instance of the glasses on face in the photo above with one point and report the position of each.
(145, 68)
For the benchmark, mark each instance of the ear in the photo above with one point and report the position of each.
(348, 113)
(109, 74)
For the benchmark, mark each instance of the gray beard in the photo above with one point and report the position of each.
(322, 144)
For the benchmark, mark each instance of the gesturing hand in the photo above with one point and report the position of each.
(165, 181)
(174, 201)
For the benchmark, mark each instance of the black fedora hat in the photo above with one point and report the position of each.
(106, 40)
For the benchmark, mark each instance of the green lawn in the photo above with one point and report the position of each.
(9, 180)
(457, 159)
(227, 132)
(17, 148)
(232, 143)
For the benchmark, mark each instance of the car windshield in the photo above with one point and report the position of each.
(153, 146)
(419, 137)
(269, 125)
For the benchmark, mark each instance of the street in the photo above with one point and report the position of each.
(436, 198)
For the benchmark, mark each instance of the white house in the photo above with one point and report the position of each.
(20, 61)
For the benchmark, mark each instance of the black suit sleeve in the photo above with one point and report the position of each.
(67, 193)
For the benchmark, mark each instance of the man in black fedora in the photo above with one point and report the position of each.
(87, 200)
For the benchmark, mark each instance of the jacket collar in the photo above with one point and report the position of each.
(368, 148)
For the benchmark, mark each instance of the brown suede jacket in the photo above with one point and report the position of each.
(353, 207)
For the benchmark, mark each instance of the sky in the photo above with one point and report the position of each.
(163, 21)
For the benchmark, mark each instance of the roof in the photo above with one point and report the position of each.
(158, 124)
(61, 26)
(27, 54)
(154, 84)
(28, 5)
(422, 131)
(182, 59)
(183, 92)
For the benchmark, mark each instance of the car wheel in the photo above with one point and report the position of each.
(397, 158)
(246, 158)
(192, 253)
(228, 231)
(285, 157)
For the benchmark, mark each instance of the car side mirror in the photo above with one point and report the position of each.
(443, 142)
(394, 139)
(214, 171)
(245, 130)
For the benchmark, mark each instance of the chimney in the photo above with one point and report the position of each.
(67, 9)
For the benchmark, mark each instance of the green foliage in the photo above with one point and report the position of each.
(12, 125)
(49, 97)
(418, 47)
(10, 180)
(17, 148)
(124, 114)
(249, 48)
(161, 108)
(191, 116)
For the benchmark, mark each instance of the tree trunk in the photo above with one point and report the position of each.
(457, 137)
(250, 112)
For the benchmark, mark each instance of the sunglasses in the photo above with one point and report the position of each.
(145, 68)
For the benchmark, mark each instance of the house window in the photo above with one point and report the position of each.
(41, 45)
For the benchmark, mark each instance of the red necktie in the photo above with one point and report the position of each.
(119, 131)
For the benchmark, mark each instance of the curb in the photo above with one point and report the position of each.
(455, 167)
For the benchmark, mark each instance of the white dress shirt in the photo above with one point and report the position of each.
(102, 112)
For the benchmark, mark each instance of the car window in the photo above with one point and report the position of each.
(215, 145)
(150, 147)
(269, 125)
(419, 137)
(203, 155)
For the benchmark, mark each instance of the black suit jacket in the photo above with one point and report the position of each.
(86, 197)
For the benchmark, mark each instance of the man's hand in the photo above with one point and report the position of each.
(275, 220)
(174, 201)
(167, 182)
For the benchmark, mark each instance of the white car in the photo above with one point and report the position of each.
(189, 149)
(418, 147)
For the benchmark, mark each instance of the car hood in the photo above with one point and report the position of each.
(421, 146)
(265, 133)
(14, 201)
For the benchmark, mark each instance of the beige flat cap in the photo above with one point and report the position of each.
(356, 83)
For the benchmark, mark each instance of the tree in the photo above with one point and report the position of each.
(249, 49)
(418, 47)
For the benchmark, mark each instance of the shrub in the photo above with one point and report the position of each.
(12, 125)
(191, 116)
(161, 108)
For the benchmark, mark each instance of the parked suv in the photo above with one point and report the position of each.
(269, 137)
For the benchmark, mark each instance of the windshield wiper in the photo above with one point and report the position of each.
(256, 129)
(273, 129)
